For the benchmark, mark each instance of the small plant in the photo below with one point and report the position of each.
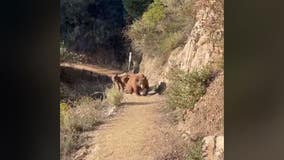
(64, 117)
(196, 151)
(187, 88)
(114, 96)
(68, 142)
(84, 115)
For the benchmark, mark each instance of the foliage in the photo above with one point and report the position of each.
(135, 8)
(196, 151)
(162, 28)
(69, 56)
(185, 88)
(114, 96)
(68, 142)
(64, 117)
(171, 41)
(155, 14)
(83, 118)
(73, 120)
(87, 24)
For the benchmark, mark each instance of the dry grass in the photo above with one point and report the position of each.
(84, 115)
(75, 120)
(114, 96)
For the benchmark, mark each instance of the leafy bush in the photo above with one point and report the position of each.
(187, 88)
(135, 8)
(171, 41)
(68, 56)
(85, 26)
(196, 151)
(64, 116)
(162, 28)
(155, 14)
(114, 96)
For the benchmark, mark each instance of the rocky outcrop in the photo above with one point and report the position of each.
(205, 43)
(213, 148)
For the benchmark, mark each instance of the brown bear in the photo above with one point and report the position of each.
(138, 84)
(120, 80)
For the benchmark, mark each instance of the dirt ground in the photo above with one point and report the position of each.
(138, 132)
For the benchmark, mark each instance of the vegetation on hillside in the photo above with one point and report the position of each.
(73, 121)
(94, 27)
(162, 27)
(196, 151)
(79, 112)
(185, 89)
(135, 8)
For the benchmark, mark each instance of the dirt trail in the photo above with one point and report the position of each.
(138, 132)
(91, 68)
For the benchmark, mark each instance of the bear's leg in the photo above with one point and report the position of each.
(136, 91)
(118, 86)
(128, 90)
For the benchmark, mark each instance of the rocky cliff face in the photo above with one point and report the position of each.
(205, 44)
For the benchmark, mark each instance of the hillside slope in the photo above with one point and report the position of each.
(205, 43)
(204, 46)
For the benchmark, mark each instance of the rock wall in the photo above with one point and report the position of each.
(206, 40)
(205, 43)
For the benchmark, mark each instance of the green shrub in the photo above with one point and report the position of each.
(196, 151)
(68, 56)
(64, 117)
(80, 28)
(187, 88)
(135, 8)
(114, 96)
(67, 142)
(171, 41)
(155, 14)
(162, 28)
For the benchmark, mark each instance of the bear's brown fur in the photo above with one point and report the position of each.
(138, 84)
(120, 80)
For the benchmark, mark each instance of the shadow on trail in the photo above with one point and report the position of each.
(138, 103)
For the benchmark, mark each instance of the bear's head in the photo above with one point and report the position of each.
(142, 83)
